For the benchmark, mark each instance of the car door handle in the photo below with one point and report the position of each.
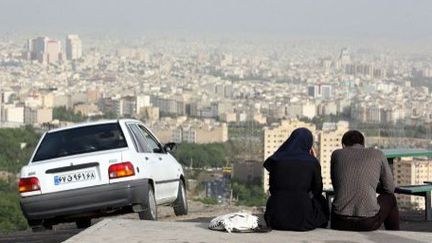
(160, 158)
(146, 158)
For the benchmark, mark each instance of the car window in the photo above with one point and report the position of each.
(154, 145)
(80, 140)
(137, 145)
(143, 146)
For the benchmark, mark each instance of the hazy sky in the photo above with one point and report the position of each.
(328, 18)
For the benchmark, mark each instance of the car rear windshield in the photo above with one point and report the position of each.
(80, 140)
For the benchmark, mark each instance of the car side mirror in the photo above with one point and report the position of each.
(170, 147)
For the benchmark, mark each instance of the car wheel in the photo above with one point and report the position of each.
(150, 211)
(83, 223)
(180, 204)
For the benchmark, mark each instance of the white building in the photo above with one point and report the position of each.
(52, 52)
(411, 171)
(73, 47)
(142, 101)
(330, 139)
(309, 110)
(14, 114)
(37, 115)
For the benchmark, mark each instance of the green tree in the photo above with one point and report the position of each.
(64, 114)
(201, 155)
(16, 147)
(249, 194)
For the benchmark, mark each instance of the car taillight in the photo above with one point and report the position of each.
(28, 184)
(121, 170)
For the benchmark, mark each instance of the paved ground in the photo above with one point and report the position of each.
(200, 215)
(198, 212)
(129, 230)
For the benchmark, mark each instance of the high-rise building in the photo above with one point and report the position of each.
(37, 48)
(329, 140)
(324, 91)
(411, 171)
(44, 50)
(344, 57)
(276, 134)
(73, 47)
(30, 52)
(313, 91)
(52, 51)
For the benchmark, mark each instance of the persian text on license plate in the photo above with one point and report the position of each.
(75, 177)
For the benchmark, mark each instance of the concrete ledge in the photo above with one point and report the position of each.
(129, 230)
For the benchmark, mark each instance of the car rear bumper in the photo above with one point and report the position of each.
(96, 200)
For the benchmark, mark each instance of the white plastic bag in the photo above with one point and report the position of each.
(235, 222)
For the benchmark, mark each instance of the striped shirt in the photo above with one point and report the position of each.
(356, 173)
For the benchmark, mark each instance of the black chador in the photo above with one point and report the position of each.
(296, 201)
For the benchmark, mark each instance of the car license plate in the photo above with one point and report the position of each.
(75, 177)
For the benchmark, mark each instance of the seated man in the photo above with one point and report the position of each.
(358, 174)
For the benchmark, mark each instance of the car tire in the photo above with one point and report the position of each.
(83, 223)
(150, 210)
(180, 204)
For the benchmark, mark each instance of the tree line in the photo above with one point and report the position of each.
(16, 147)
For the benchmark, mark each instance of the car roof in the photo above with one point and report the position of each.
(92, 123)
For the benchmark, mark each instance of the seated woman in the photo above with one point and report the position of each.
(296, 201)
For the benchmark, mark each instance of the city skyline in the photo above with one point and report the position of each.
(228, 81)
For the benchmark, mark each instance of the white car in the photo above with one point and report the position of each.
(100, 168)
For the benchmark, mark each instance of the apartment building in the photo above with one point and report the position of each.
(203, 133)
(190, 131)
(329, 140)
(34, 116)
(411, 171)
